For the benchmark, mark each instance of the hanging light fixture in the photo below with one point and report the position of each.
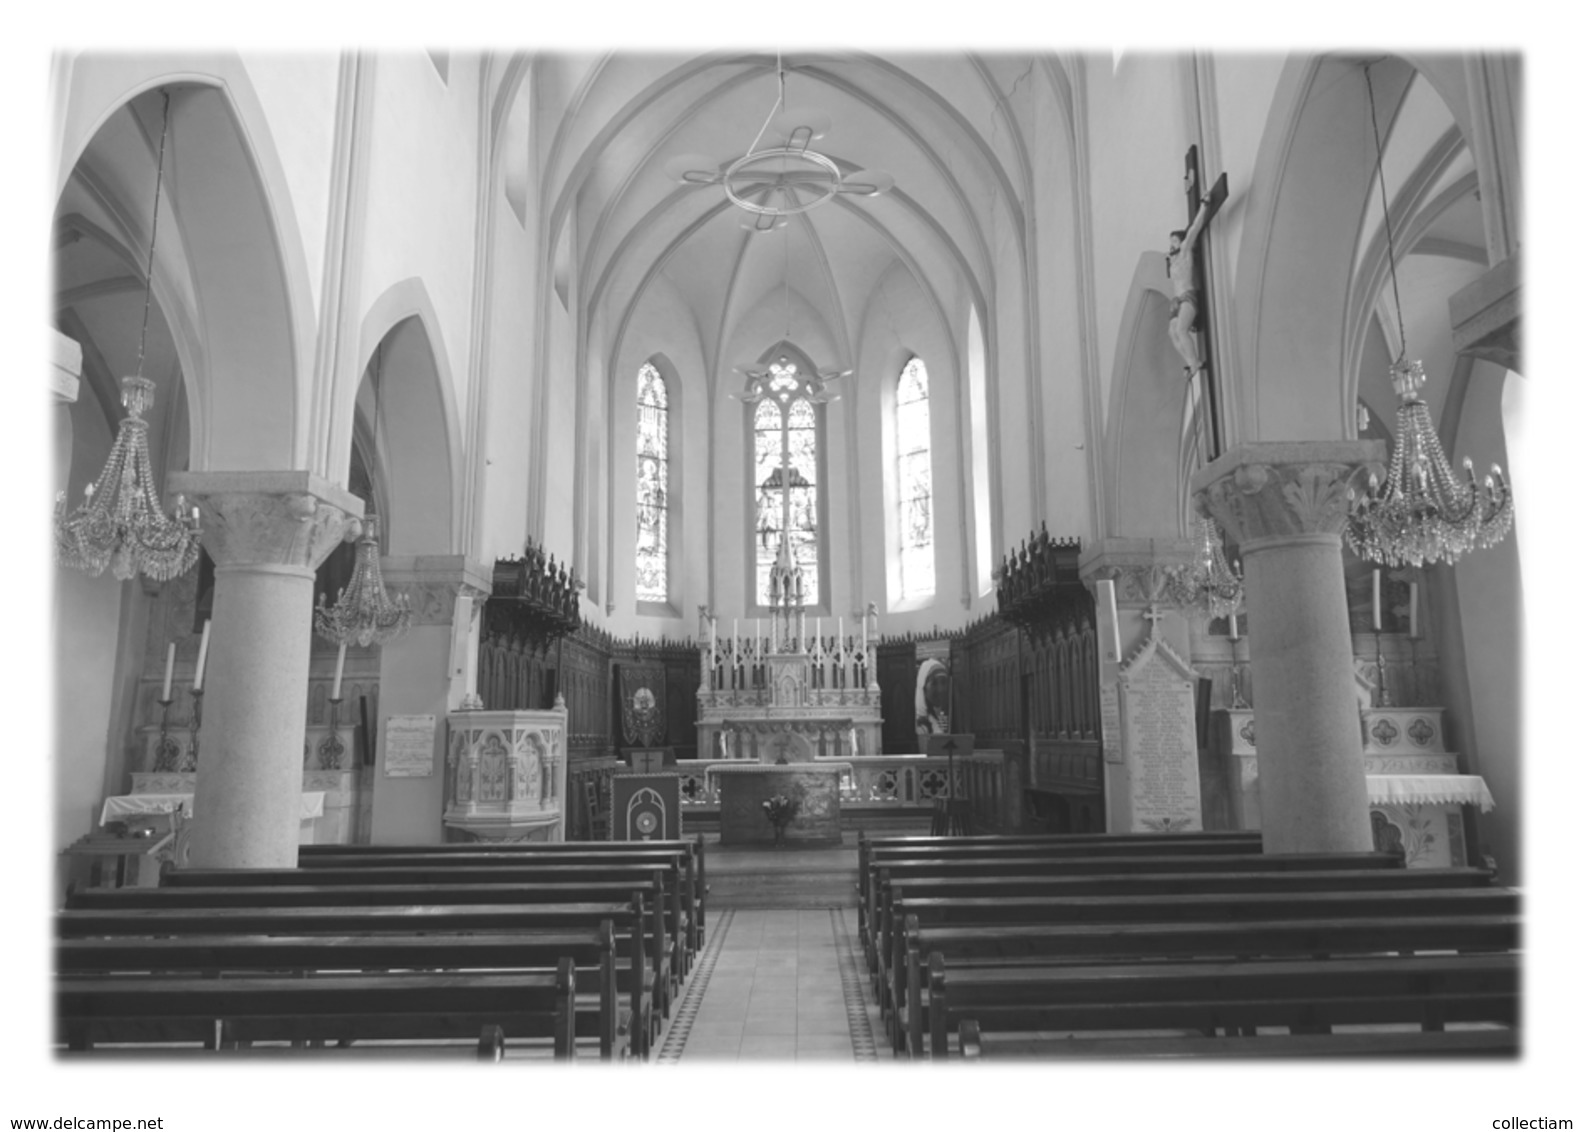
(364, 612)
(1216, 586)
(1422, 514)
(782, 180)
(119, 522)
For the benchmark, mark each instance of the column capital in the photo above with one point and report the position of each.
(1275, 492)
(1144, 569)
(277, 518)
(433, 582)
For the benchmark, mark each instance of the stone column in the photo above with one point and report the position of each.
(1285, 505)
(428, 670)
(267, 532)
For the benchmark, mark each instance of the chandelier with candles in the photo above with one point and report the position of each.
(1423, 513)
(120, 523)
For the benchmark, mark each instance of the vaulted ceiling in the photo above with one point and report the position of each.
(940, 125)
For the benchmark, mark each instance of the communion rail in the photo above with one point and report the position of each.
(898, 783)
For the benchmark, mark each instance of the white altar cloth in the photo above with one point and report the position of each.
(1429, 789)
(131, 805)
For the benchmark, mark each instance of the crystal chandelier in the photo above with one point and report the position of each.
(364, 613)
(119, 522)
(1423, 514)
(1214, 584)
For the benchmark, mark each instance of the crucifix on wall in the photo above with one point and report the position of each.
(1185, 268)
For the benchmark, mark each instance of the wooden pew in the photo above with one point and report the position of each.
(433, 884)
(984, 947)
(872, 852)
(340, 856)
(619, 1029)
(682, 864)
(889, 889)
(331, 1008)
(348, 909)
(1429, 991)
(1387, 1043)
(1138, 862)
(1026, 918)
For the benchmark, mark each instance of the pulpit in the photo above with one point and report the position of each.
(506, 775)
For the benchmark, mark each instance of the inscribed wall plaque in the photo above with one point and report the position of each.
(409, 746)
(1161, 742)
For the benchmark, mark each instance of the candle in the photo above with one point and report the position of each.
(838, 631)
(170, 667)
(1375, 600)
(1413, 609)
(1232, 620)
(335, 689)
(203, 655)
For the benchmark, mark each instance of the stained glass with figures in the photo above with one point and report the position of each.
(653, 484)
(917, 529)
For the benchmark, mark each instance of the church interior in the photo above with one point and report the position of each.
(783, 556)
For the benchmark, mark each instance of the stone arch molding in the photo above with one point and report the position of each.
(1307, 201)
(1144, 422)
(230, 197)
(420, 437)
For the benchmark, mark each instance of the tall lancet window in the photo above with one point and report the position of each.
(654, 468)
(786, 475)
(917, 533)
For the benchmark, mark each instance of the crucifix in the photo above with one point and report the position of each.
(1185, 268)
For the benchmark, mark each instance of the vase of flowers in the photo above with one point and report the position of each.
(780, 810)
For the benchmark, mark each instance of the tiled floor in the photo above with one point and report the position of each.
(774, 992)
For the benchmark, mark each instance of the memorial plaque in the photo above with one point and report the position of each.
(409, 746)
(1160, 743)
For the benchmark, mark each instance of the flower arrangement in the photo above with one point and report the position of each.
(780, 810)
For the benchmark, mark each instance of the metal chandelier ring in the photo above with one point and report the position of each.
(816, 160)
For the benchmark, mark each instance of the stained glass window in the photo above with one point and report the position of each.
(913, 481)
(786, 481)
(653, 483)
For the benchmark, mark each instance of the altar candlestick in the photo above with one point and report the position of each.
(170, 667)
(335, 689)
(1413, 610)
(1375, 600)
(203, 655)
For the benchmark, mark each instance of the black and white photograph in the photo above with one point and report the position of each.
(785, 558)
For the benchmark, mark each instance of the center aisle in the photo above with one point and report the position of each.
(777, 985)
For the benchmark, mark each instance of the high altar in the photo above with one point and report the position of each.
(787, 699)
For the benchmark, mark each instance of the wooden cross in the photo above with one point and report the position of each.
(1198, 278)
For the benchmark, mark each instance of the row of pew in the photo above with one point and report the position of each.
(377, 949)
(1180, 945)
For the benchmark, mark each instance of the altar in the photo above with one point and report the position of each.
(814, 789)
(787, 697)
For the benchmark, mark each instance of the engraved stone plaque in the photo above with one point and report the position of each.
(1161, 743)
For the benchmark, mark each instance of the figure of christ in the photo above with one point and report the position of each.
(1185, 299)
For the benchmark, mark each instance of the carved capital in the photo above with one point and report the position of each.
(1284, 490)
(270, 518)
(1146, 571)
(432, 584)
